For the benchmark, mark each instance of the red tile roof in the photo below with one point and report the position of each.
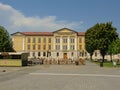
(38, 33)
(44, 33)
(81, 33)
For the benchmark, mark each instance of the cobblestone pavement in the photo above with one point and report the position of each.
(60, 77)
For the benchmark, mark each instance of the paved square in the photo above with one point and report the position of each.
(60, 77)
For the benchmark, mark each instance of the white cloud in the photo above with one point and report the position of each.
(14, 21)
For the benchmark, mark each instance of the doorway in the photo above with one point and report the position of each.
(65, 55)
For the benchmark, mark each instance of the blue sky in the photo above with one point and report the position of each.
(51, 15)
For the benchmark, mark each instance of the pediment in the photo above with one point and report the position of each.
(65, 30)
(17, 34)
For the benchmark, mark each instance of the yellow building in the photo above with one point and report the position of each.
(64, 43)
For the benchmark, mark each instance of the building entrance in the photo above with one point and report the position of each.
(65, 55)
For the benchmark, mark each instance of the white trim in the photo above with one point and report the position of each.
(75, 43)
(61, 46)
(68, 43)
(84, 75)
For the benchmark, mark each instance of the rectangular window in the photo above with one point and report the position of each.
(34, 40)
(72, 40)
(39, 40)
(57, 54)
(65, 40)
(64, 47)
(28, 40)
(72, 54)
(49, 40)
(57, 47)
(34, 47)
(72, 47)
(44, 54)
(48, 53)
(49, 47)
(28, 47)
(44, 40)
(57, 40)
(80, 40)
(44, 47)
(38, 53)
(39, 47)
(33, 54)
(80, 47)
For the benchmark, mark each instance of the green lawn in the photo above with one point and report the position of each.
(107, 64)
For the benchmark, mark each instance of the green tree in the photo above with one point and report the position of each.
(90, 42)
(5, 41)
(106, 34)
(114, 47)
(99, 37)
(110, 50)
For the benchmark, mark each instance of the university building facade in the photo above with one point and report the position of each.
(61, 44)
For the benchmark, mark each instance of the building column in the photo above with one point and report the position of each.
(68, 42)
(54, 47)
(30, 55)
(76, 49)
(61, 54)
(36, 54)
(61, 46)
(69, 54)
(75, 43)
(55, 54)
(41, 54)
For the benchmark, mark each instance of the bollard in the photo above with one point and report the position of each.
(76, 62)
(101, 63)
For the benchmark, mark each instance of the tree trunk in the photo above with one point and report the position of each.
(102, 60)
(91, 57)
(103, 56)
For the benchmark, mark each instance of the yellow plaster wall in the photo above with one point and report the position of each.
(37, 43)
(18, 43)
(8, 62)
(82, 43)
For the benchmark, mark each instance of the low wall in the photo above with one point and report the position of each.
(10, 62)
